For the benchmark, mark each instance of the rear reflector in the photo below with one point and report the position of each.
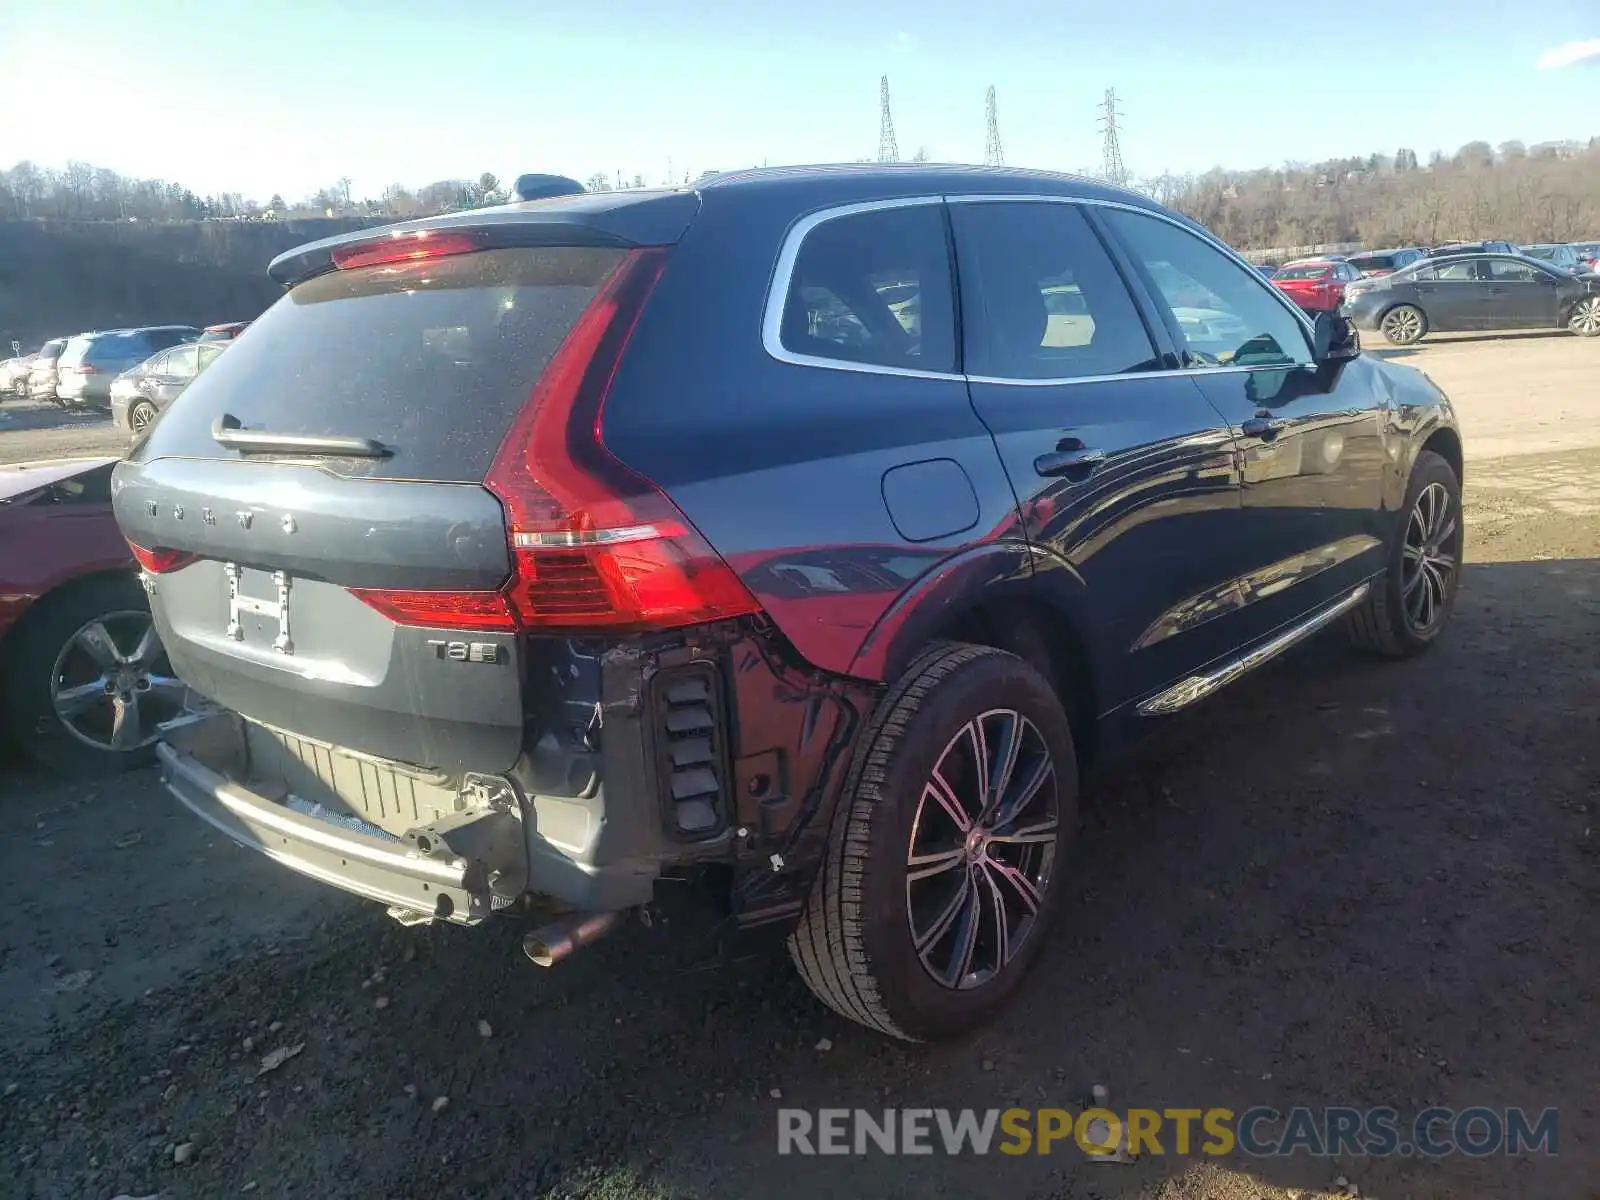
(595, 547)
(161, 561)
(414, 246)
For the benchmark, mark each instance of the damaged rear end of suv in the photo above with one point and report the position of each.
(462, 658)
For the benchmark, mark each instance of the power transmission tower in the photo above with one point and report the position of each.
(993, 156)
(1111, 165)
(888, 148)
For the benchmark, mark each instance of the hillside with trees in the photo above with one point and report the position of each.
(1543, 193)
(84, 247)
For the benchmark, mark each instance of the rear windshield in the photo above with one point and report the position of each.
(1374, 262)
(433, 359)
(1308, 271)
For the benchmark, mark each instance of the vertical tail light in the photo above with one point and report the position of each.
(595, 547)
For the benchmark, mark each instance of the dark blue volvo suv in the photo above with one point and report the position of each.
(801, 532)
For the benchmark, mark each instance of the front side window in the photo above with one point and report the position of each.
(1244, 322)
(1041, 298)
(1465, 271)
(874, 288)
(1503, 271)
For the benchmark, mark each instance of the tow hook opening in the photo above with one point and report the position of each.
(556, 941)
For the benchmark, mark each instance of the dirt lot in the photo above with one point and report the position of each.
(1341, 883)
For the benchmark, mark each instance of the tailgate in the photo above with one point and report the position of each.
(261, 550)
(263, 621)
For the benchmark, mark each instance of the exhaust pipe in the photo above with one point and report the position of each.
(557, 941)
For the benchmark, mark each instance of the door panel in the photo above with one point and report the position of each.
(1518, 296)
(1120, 466)
(1311, 439)
(1453, 298)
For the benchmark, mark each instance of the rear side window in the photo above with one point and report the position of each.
(1305, 271)
(181, 361)
(434, 359)
(118, 347)
(874, 288)
(160, 339)
(1457, 272)
(1041, 298)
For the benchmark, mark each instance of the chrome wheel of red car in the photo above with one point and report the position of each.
(111, 685)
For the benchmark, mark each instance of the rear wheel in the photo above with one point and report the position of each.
(1404, 324)
(947, 849)
(88, 682)
(1585, 318)
(140, 416)
(1408, 608)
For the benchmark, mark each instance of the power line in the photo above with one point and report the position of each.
(888, 148)
(1111, 165)
(993, 155)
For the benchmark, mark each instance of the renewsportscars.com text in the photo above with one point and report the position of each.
(1259, 1131)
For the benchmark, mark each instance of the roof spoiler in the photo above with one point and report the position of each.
(542, 187)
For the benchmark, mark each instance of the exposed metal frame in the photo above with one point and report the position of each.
(783, 277)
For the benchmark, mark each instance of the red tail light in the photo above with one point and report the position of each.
(161, 562)
(86, 369)
(414, 246)
(594, 546)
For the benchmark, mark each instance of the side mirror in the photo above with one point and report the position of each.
(1334, 338)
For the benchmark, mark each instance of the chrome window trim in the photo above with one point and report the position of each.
(783, 277)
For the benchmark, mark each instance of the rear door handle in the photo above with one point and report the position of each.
(1076, 465)
(1265, 428)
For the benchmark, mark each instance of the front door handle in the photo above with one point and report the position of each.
(1265, 428)
(1076, 465)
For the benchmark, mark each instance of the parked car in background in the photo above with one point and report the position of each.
(83, 680)
(432, 533)
(1475, 291)
(1317, 284)
(1588, 254)
(1374, 263)
(138, 395)
(1268, 269)
(1558, 254)
(14, 374)
(225, 332)
(42, 374)
(1450, 248)
(92, 360)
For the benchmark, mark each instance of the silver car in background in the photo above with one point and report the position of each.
(139, 395)
(92, 360)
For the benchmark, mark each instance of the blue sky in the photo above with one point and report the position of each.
(288, 96)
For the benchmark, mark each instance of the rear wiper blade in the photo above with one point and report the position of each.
(227, 431)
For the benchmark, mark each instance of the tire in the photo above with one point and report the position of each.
(1584, 320)
(44, 659)
(140, 415)
(1404, 325)
(854, 945)
(1388, 622)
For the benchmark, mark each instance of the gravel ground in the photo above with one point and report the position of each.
(1343, 882)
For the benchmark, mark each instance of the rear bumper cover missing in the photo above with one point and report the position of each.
(459, 870)
(369, 865)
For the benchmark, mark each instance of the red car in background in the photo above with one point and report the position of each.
(83, 678)
(1316, 285)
